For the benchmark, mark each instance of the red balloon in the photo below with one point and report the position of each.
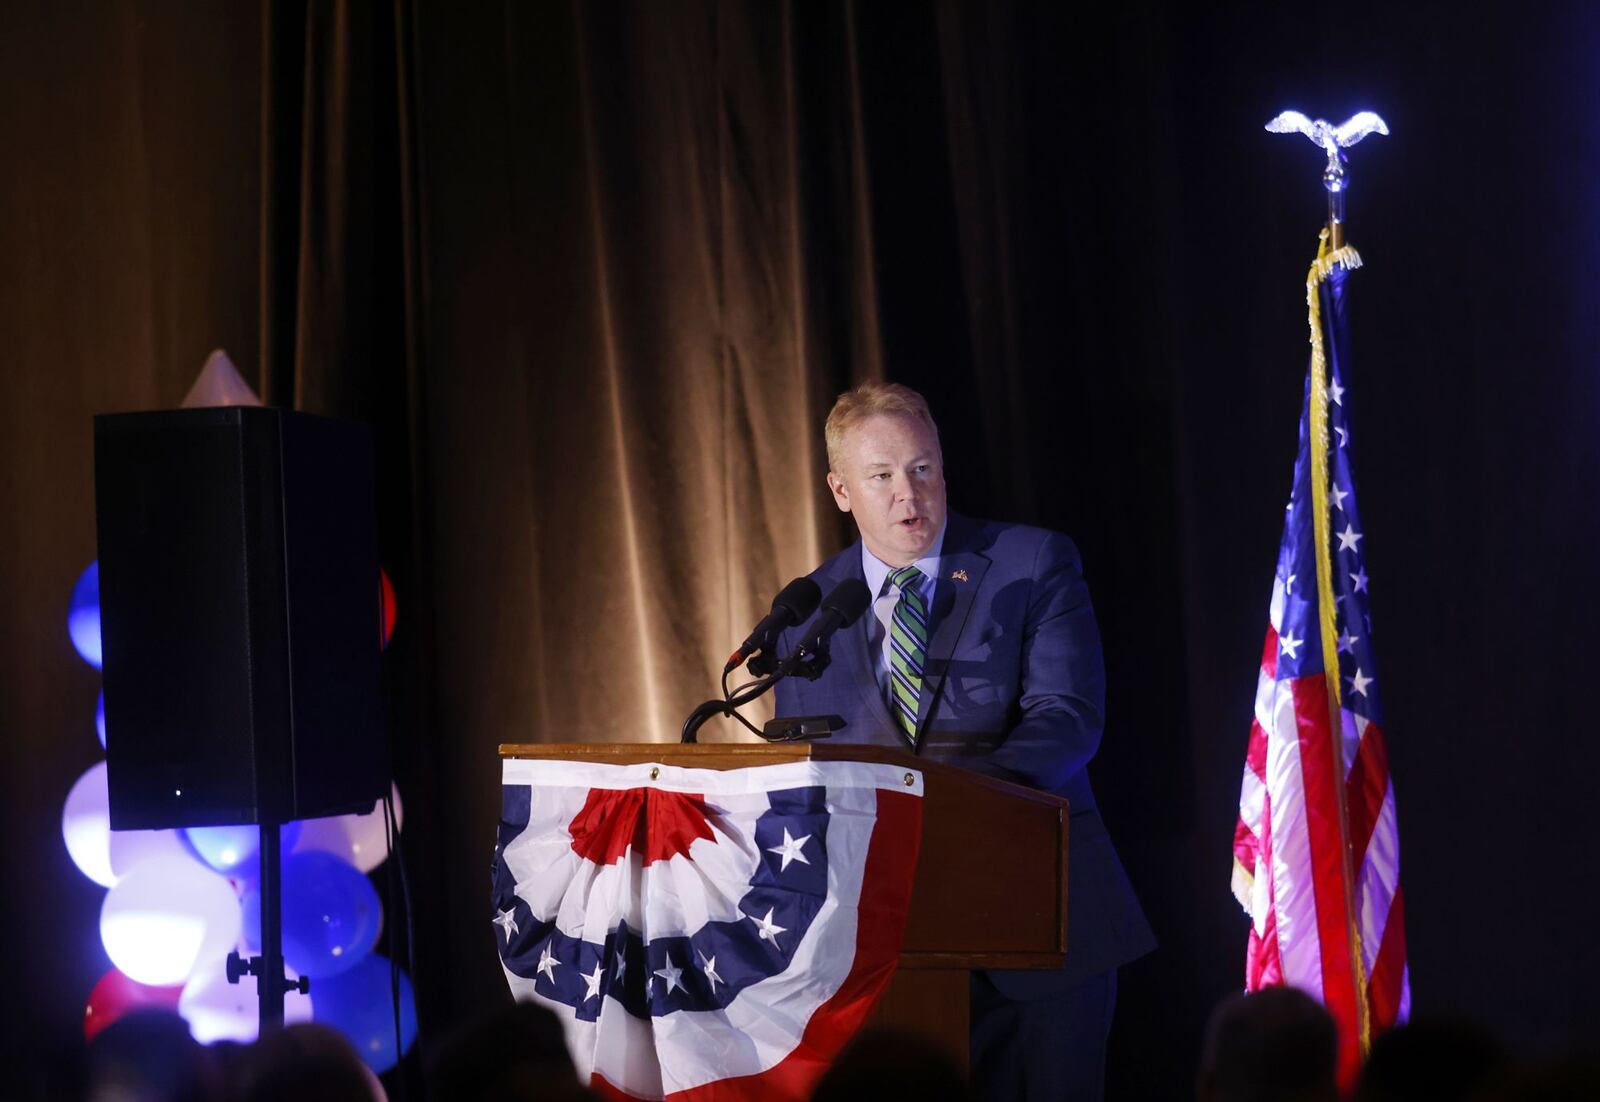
(387, 596)
(116, 994)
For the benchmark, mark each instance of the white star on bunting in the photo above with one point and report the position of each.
(507, 921)
(1336, 392)
(672, 974)
(1349, 538)
(1290, 645)
(708, 965)
(791, 850)
(1359, 682)
(593, 982)
(766, 928)
(1360, 579)
(1347, 642)
(622, 965)
(1338, 496)
(548, 964)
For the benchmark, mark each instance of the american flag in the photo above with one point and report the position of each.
(1317, 850)
(704, 935)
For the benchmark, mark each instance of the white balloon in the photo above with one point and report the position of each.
(86, 826)
(130, 848)
(102, 854)
(167, 917)
(358, 839)
(217, 1010)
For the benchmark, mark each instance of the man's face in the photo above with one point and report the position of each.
(893, 484)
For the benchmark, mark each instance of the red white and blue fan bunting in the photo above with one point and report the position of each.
(704, 934)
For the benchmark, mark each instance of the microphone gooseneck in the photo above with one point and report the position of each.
(842, 607)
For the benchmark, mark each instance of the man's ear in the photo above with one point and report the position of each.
(841, 493)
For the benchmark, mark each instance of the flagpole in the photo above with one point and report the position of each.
(1332, 252)
(1333, 180)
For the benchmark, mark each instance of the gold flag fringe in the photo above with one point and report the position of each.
(1321, 268)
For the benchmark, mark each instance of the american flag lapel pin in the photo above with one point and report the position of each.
(958, 575)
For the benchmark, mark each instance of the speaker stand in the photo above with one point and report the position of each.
(271, 983)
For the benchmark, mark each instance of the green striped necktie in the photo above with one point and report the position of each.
(908, 648)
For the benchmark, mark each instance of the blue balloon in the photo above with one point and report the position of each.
(250, 867)
(235, 851)
(100, 718)
(224, 848)
(360, 1004)
(331, 915)
(83, 615)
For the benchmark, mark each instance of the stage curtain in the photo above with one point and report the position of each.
(650, 268)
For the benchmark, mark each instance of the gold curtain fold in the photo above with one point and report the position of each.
(640, 368)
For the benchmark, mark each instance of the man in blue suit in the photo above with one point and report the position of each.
(980, 650)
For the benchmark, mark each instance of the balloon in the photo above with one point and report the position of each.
(100, 718)
(331, 914)
(166, 917)
(130, 848)
(102, 854)
(358, 839)
(245, 841)
(217, 1010)
(115, 994)
(83, 615)
(386, 595)
(224, 848)
(86, 826)
(360, 1004)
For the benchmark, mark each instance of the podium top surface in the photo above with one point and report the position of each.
(748, 755)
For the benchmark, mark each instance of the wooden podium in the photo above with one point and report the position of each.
(991, 881)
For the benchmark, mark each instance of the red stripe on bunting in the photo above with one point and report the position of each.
(880, 932)
(1323, 790)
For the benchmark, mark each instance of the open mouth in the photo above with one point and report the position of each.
(912, 523)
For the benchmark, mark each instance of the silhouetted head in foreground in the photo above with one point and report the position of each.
(305, 1062)
(147, 1056)
(893, 1063)
(1430, 1061)
(517, 1054)
(1277, 1045)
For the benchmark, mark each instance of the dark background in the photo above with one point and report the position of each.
(595, 270)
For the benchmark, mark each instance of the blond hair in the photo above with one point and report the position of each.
(868, 400)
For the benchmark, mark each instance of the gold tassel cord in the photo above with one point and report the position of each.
(1321, 268)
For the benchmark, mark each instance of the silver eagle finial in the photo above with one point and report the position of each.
(1328, 137)
(1333, 140)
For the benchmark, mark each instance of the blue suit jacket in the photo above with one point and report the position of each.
(1014, 688)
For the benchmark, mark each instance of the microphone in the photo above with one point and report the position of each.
(840, 609)
(791, 606)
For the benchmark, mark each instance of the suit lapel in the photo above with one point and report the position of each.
(961, 569)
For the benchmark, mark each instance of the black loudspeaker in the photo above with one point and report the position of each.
(240, 616)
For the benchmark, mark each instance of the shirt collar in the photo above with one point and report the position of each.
(876, 571)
